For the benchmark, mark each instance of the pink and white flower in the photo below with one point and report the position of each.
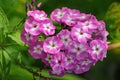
(28, 38)
(52, 45)
(79, 34)
(38, 15)
(47, 58)
(58, 14)
(98, 49)
(88, 25)
(77, 48)
(36, 50)
(32, 27)
(58, 62)
(65, 37)
(47, 27)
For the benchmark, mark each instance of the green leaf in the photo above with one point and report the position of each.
(16, 37)
(17, 73)
(66, 77)
(4, 23)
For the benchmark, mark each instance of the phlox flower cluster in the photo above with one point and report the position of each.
(79, 43)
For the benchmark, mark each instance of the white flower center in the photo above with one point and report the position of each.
(52, 45)
(49, 58)
(40, 16)
(28, 37)
(78, 49)
(46, 26)
(34, 26)
(37, 49)
(86, 62)
(60, 14)
(69, 19)
(80, 34)
(65, 39)
(96, 49)
(69, 60)
(87, 24)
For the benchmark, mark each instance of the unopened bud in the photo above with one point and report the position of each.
(38, 5)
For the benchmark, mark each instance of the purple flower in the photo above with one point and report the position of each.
(68, 20)
(79, 34)
(28, 38)
(83, 17)
(69, 61)
(32, 27)
(36, 50)
(98, 49)
(80, 69)
(70, 17)
(58, 14)
(77, 48)
(101, 26)
(57, 73)
(83, 63)
(58, 62)
(38, 15)
(65, 37)
(47, 58)
(47, 27)
(89, 25)
(100, 35)
(52, 45)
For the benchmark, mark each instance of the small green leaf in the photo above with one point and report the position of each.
(4, 23)
(16, 37)
(8, 66)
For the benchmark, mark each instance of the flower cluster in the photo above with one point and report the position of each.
(78, 45)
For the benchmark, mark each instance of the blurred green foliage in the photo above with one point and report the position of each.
(13, 49)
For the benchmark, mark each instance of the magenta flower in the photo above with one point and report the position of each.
(77, 48)
(52, 45)
(57, 73)
(47, 27)
(80, 69)
(69, 20)
(69, 62)
(98, 49)
(32, 27)
(37, 15)
(78, 44)
(58, 14)
(70, 17)
(58, 62)
(28, 38)
(100, 35)
(89, 25)
(65, 37)
(79, 34)
(83, 17)
(101, 26)
(47, 58)
(36, 50)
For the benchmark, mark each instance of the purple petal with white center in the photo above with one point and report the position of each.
(47, 58)
(47, 27)
(52, 45)
(79, 34)
(38, 15)
(98, 49)
(65, 37)
(28, 38)
(57, 73)
(36, 50)
(77, 48)
(32, 27)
